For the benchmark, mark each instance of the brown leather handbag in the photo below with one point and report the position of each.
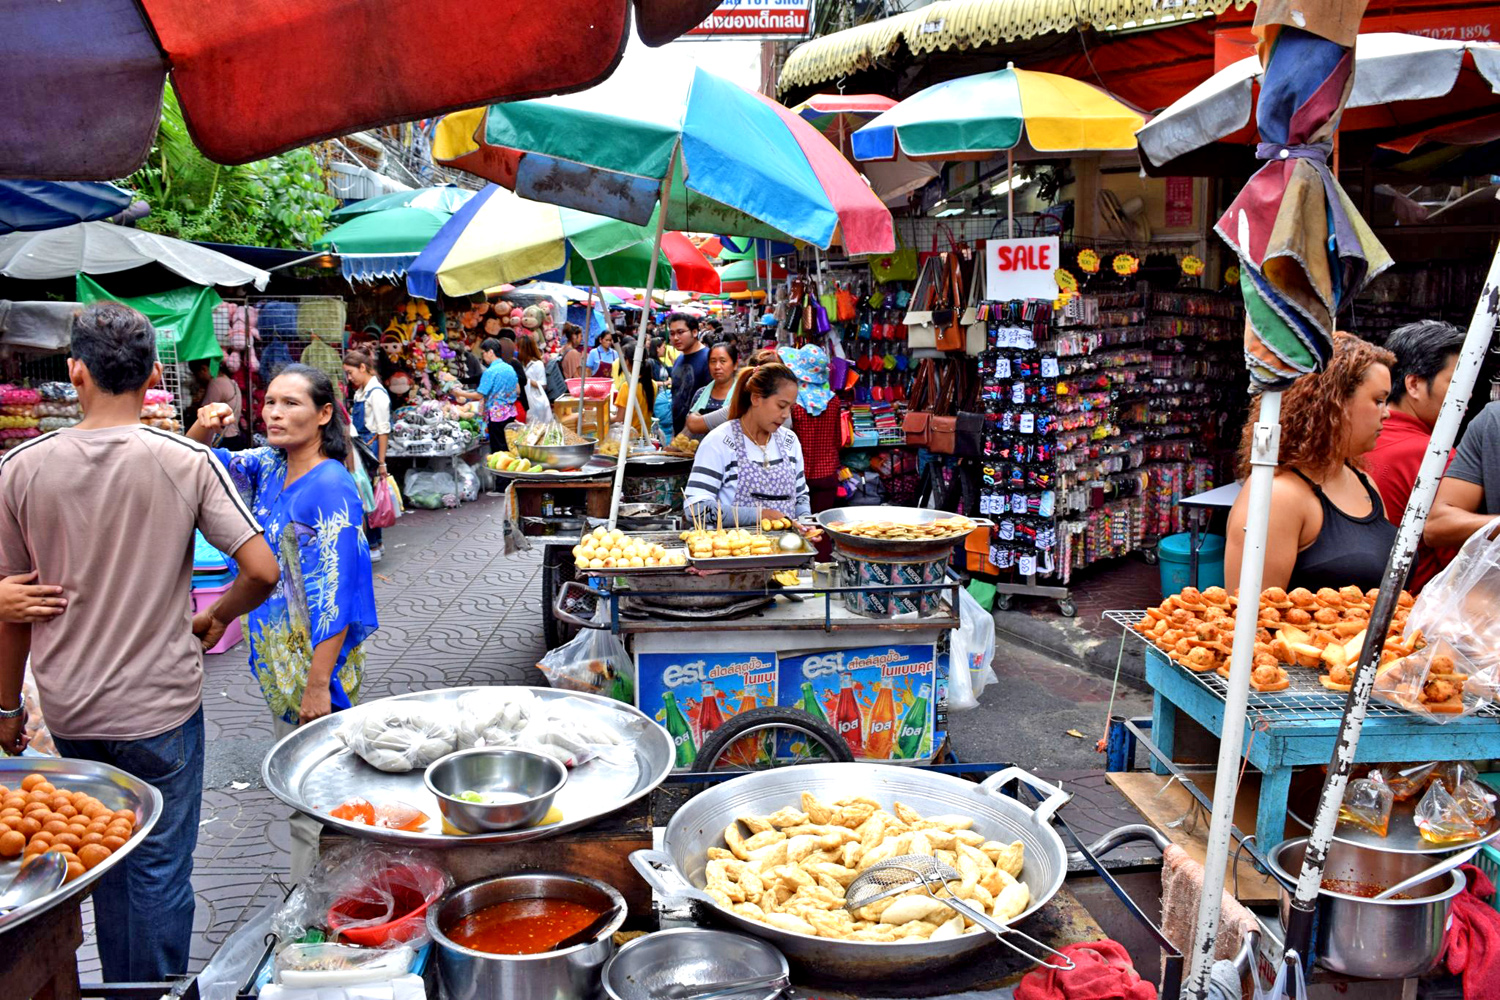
(951, 332)
(943, 435)
(917, 424)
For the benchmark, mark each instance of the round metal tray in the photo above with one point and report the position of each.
(876, 547)
(593, 469)
(311, 771)
(109, 785)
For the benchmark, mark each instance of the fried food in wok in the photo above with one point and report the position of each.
(791, 871)
(947, 527)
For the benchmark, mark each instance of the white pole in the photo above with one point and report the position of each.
(1265, 443)
(1476, 343)
(640, 345)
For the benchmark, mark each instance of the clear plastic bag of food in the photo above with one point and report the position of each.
(364, 894)
(1367, 804)
(1453, 773)
(594, 661)
(397, 737)
(1476, 801)
(1408, 781)
(1437, 683)
(493, 716)
(1441, 820)
(1461, 605)
(326, 964)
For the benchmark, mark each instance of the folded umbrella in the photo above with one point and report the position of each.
(33, 205)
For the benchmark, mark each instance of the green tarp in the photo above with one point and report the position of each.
(183, 317)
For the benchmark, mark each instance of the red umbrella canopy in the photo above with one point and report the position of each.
(83, 79)
(692, 271)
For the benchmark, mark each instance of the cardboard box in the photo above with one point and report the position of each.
(880, 698)
(692, 693)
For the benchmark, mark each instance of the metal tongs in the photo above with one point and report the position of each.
(901, 874)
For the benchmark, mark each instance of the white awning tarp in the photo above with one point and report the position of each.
(104, 248)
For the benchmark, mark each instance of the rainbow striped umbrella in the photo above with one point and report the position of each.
(725, 160)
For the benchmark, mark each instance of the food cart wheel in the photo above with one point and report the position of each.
(1003, 602)
(745, 742)
(557, 569)
(1068, 608)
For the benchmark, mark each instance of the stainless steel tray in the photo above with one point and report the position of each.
(594, 469)
(776, 560)
(892, 546)
(311, 771)
(109, 785)
(672, 544)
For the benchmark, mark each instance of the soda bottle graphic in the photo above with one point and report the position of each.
(710, 715)
(747, 751)
(882, 724)
(680, 731)
(810, 704)
(913, 725)
(846, 717)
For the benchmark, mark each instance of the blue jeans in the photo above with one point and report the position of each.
(143, 907)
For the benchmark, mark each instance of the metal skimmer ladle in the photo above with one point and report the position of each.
(899, 875)
(1449, 863)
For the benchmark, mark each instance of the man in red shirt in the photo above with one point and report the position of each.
(1426, 354)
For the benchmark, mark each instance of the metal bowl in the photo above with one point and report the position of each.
(690, 956)
(572, 974)
(557, 456)
(1367, 938)
(877, 547)
(532, 778)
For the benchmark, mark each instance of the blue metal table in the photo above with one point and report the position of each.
(1298, 727)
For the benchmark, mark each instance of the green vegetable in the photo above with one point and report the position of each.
(469, 797)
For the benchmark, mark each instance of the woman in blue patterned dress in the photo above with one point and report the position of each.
(306, 639)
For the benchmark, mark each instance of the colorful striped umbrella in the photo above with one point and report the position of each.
(974, 117)
(731, 162)
(839, 116)
(1304, 250)
(395, 230)
(444, 198)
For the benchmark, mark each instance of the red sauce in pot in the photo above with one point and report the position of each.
(1365, 890)
(521, 926)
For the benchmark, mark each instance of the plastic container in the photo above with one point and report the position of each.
(406, 899)
(206, 590)
(1173, 553)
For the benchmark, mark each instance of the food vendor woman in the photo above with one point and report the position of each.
(750, 468)
(1327, 527)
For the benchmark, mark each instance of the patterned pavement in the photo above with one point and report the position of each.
(454, 610)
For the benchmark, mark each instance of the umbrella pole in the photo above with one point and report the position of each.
(1476, 343)
(1264, 446)
(1010, 192)
(640, 345)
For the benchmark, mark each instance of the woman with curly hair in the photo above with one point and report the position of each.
(1328, 527)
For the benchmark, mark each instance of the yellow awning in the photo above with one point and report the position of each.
(967, 24)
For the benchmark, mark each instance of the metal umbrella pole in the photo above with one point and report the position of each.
(1265, 443)
(1476, 343)
(640, 344)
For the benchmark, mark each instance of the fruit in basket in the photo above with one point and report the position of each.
(604, 549)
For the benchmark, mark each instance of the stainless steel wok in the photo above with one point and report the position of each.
(891, 546)
(677, 871)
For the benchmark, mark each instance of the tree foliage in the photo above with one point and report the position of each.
(276, 202)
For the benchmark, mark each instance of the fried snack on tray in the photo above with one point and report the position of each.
(791, 872)
(946, 527)
(1321, 631)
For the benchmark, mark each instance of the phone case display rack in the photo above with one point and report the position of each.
(1100, 418)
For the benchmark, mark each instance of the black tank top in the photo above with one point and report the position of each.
(1348, 550)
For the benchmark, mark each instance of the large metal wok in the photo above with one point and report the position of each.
(677, 871)
(899, 547)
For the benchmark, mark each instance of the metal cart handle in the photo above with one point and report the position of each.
(1122, 836)
(1055, 800)
(572, 619)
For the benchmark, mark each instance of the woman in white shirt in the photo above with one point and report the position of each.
(538, 407)
(750, 468)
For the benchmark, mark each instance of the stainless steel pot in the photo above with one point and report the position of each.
(1388, 939)
(558, 975)
(647, 967)
(677, 871)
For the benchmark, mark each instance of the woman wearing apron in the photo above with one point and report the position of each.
(750, 469)
(370, 417)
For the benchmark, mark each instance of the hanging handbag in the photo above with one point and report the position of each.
(898, 265)
(950, 333)
(917, 424)
(968, 439)
(943, 428)
(976, 330)
(919, 329)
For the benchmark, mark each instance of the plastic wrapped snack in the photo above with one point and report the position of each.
(1433, 683)
(1408, 781)
(396, 737)
(1453, 773)
(1367, 803)
(1477, 802)
(494, 716)
(1441, 820)
(571, 739)
(325, 964)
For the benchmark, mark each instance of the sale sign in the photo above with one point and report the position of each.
(1021, 269)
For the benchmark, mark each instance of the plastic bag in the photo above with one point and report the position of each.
(595, 661)
(431, 490)
(237, 957)
(515, 717)
(1460, 607)
(365, 894)
(383, 515)
(1367, 803)
(972, 646)
(468, 483)
(1409, 781)
(395, 737)
(1441, 820)
(1477, 803)
(326, 964)
(363, 485)
(1290, 983)
(492, 717)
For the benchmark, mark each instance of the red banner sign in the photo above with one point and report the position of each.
(769, 19)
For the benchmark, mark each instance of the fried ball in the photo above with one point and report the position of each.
(68, 840)
(116, 830)
(75, 869)
(29, 826)
(78, 829)
(37, 795)
(45, 786)
(1326, 616)
(1298, 617)
(91, 838)
(31, 781)
(14, 802)
(113, 843)
(126, 814)
(56, 848)
(31, 808)
(54, 827)
(98, 826)
(36, 846)
(59, 800)
(92, 854)
(66, 809)
(12, 844)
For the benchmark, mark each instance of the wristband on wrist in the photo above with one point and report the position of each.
(12, 713)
